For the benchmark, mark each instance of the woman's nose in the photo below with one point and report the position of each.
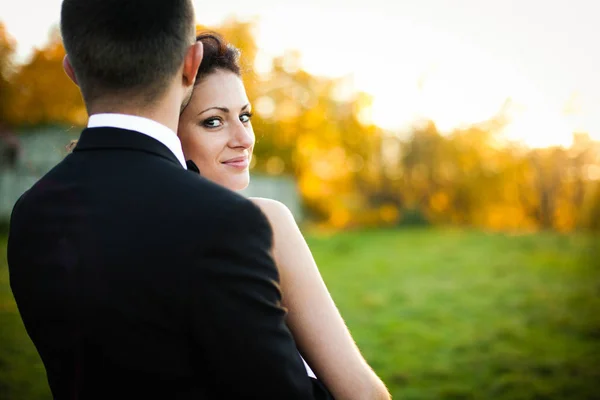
(243, 136)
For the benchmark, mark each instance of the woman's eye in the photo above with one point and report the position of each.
(246, 117)
(212, 123)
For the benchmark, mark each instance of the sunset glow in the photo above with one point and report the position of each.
(455, 66)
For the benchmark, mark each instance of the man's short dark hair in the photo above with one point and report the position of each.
(126, 46)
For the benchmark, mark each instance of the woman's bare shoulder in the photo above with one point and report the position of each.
(276, 211)
(272, 208)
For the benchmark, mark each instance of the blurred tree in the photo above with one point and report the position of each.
(584, 160)
(451, 178)
(552, 191)
(318, 135)
(422, 164)
(349, 171)
(45, 94)
(476, 175)
(7, 49)
(591, 219)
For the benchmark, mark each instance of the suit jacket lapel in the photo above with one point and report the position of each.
(115, 138)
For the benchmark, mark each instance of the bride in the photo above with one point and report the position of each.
(216, 133)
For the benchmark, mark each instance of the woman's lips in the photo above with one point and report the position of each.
(238, 163)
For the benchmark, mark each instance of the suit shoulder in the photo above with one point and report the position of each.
(224, 204)
(16, 207)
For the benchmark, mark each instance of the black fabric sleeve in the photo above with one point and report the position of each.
(238, 322)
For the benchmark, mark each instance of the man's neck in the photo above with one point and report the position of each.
(164, 112)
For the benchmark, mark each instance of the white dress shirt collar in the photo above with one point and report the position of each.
(142, 125)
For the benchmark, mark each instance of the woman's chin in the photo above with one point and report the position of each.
(236, 184)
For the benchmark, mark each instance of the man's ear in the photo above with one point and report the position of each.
(191, 63)
(69, 69)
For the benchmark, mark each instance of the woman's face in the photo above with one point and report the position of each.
(216, 132)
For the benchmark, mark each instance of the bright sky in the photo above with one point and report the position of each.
(454, 61)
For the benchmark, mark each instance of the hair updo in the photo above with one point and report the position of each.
(218, 54)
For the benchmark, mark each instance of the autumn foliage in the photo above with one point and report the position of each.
(349, 171)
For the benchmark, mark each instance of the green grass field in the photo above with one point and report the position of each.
(439, 314)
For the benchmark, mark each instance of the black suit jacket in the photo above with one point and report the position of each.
(137, 279)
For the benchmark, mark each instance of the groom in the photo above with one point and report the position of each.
(135, 278)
